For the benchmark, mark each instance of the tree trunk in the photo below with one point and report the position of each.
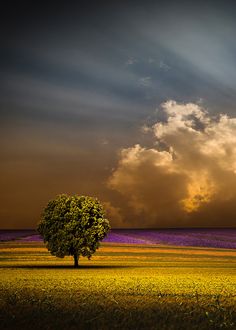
(76, 261)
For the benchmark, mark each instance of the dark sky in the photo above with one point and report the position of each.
(132, 102)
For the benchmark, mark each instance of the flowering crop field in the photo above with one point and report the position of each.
(7, 235)
(123, 286)
(219, 238)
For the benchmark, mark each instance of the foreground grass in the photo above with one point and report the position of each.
(122, 287)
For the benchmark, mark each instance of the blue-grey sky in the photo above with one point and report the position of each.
(81, 83)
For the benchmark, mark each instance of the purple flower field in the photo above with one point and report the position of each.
(8, 235)
(217, 238)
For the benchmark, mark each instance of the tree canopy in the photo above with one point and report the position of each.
(73, 225)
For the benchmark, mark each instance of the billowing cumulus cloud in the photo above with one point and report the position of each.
(189, 177)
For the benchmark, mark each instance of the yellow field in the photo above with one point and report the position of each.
(122, 287)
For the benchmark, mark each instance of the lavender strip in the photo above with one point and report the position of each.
(217, 238)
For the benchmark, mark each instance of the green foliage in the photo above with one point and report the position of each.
(73, 225)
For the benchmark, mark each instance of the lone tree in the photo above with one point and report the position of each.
(73, 225)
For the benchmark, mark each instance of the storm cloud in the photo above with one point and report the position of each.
(188, 177)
